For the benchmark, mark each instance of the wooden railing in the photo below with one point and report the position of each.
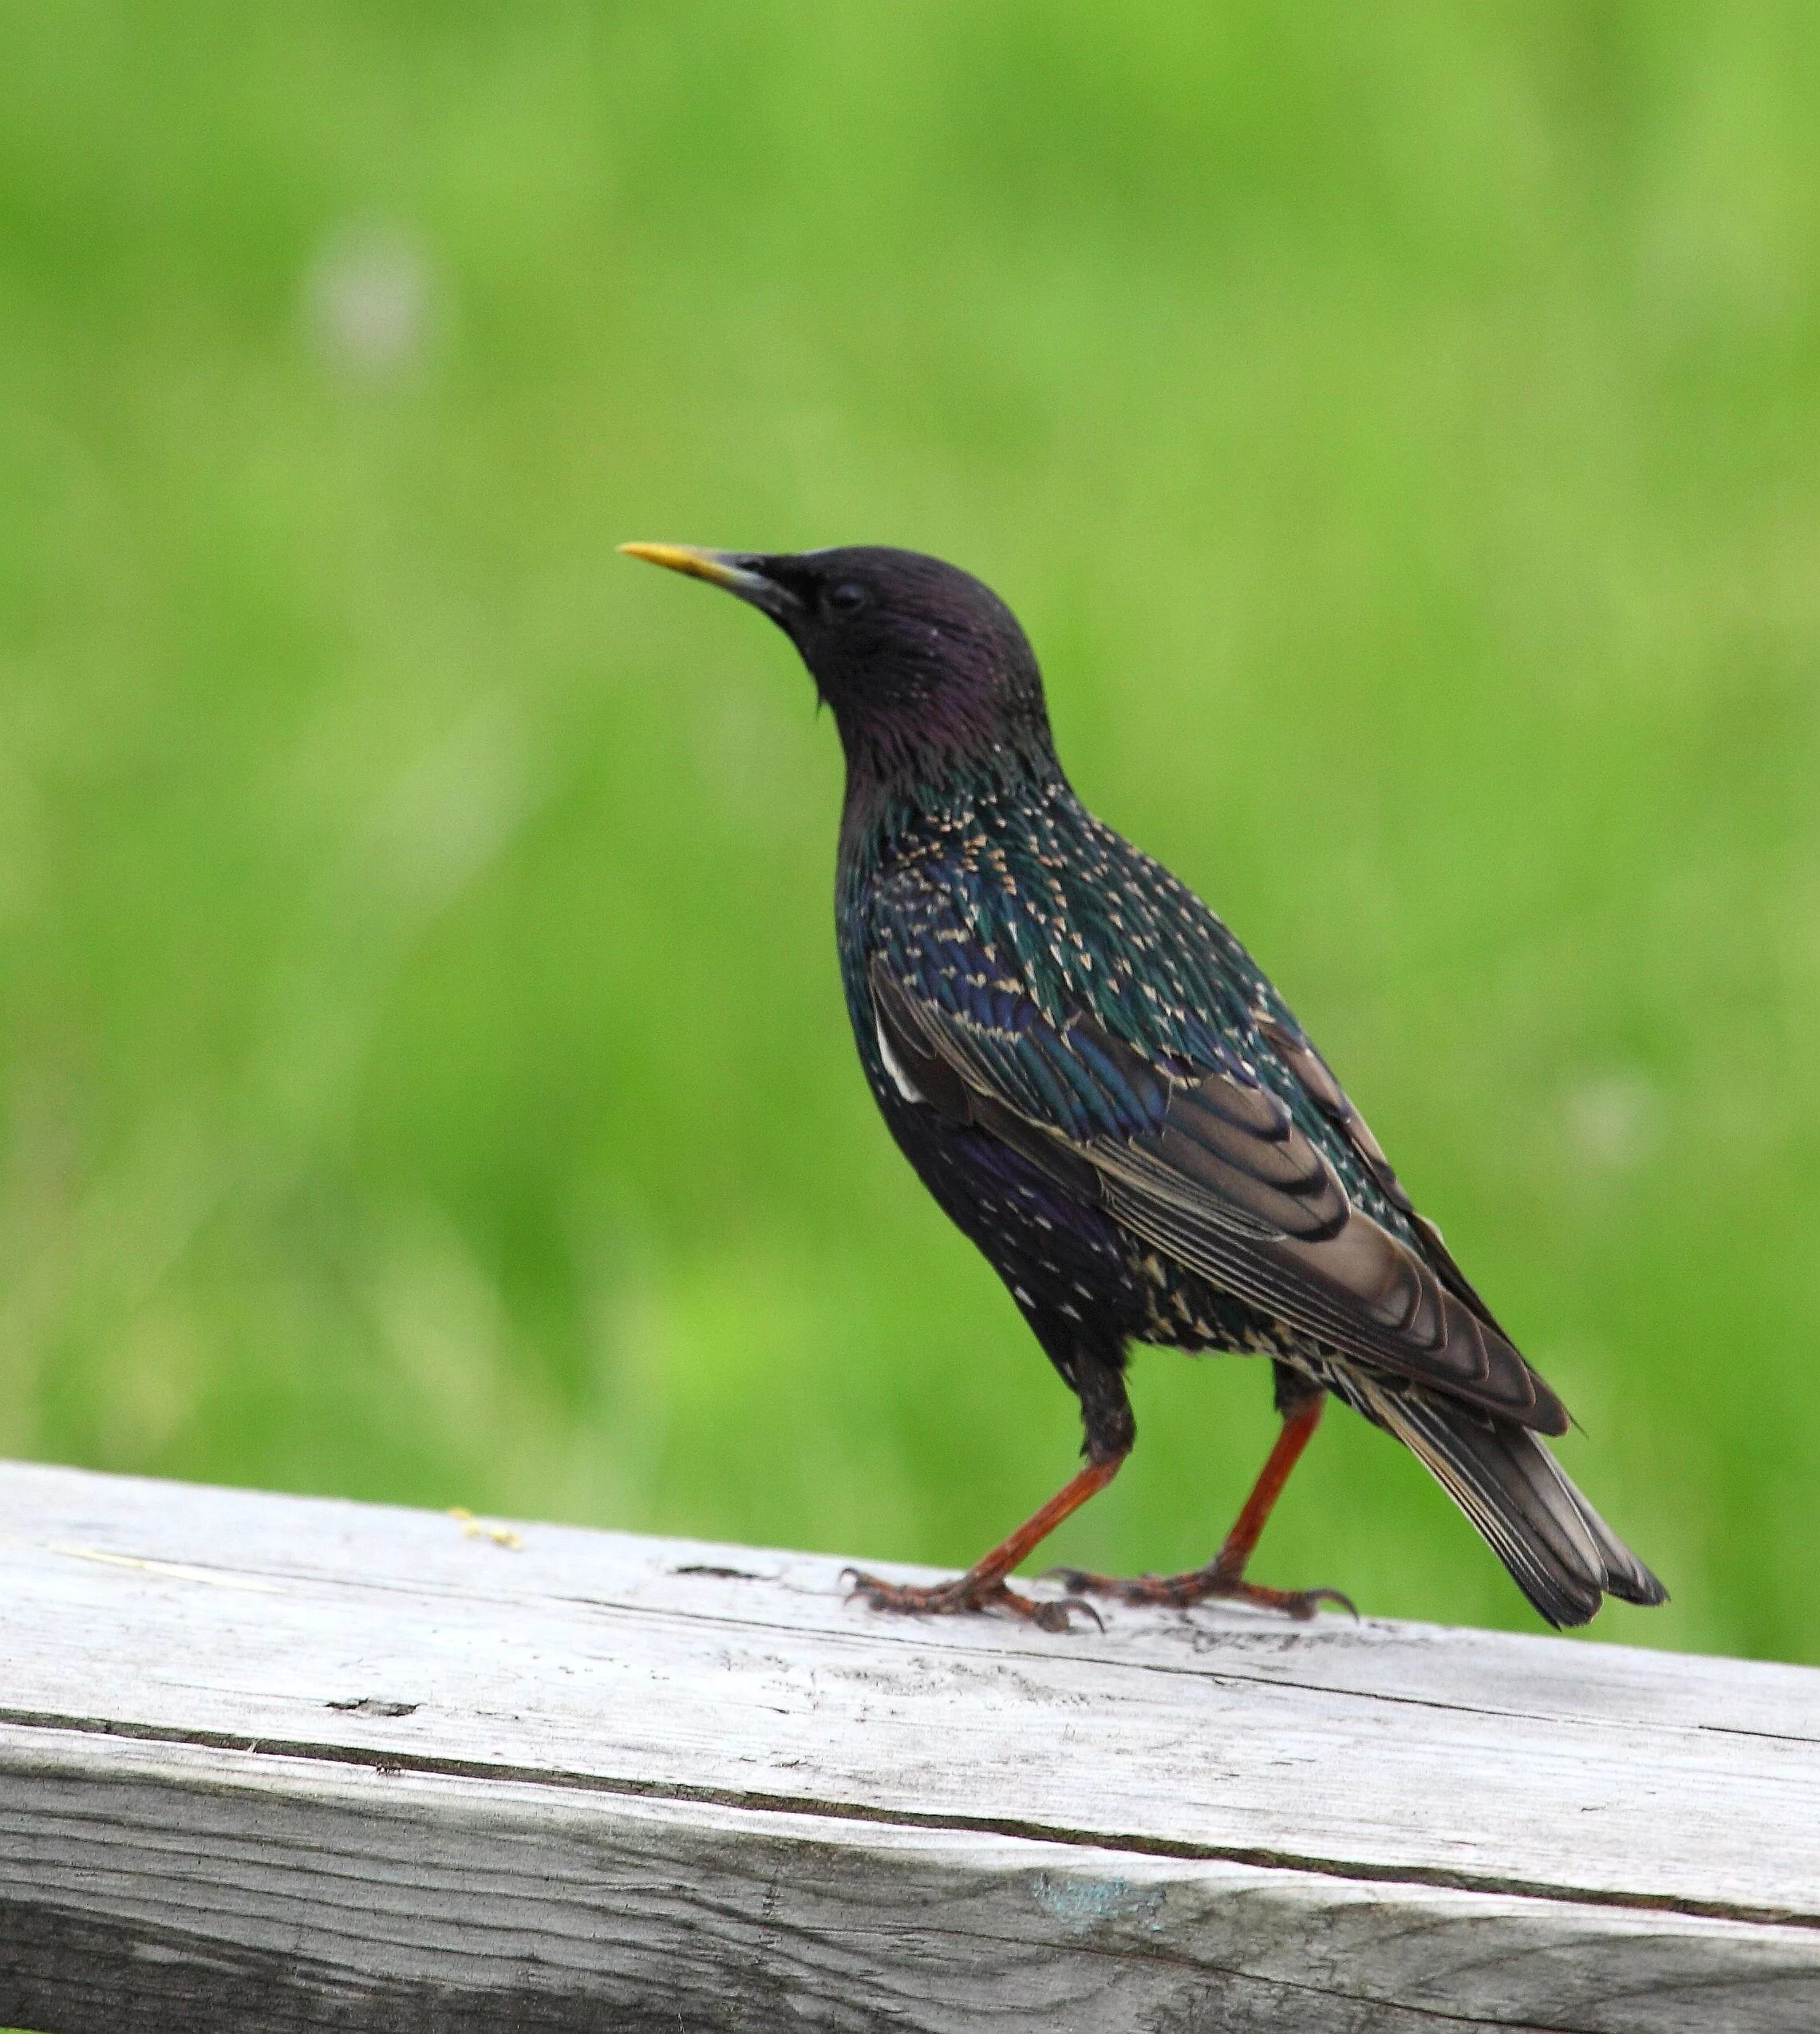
(269, 1763)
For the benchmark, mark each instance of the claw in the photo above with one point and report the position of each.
(1338, 1598)
(1051, 1615)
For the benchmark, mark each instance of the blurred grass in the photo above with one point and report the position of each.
(424, 1072)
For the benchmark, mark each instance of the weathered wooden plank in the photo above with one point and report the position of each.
(344, 1896)
(276, 1763)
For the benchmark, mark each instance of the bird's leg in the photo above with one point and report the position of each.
(984, 1587)
(1224, 1576)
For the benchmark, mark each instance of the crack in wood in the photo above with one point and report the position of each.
(764, 1802)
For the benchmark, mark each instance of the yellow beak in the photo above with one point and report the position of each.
(730, 569)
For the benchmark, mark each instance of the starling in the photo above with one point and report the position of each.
(1104, 1092)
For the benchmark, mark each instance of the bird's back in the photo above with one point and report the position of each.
(1018, 875)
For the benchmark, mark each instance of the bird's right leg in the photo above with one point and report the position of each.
(1107, 1414)
(1300, 1404)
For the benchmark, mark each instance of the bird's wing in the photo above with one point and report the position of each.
(1209, 1165)
(1295, 1052)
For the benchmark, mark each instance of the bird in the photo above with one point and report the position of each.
(1105, 1093)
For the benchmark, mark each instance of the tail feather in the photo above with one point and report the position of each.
(1559, 1552)
(1626, 1576)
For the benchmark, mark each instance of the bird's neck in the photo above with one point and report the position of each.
(896, 800)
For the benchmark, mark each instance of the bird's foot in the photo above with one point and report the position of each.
(1198, 1586)
(967, 1593)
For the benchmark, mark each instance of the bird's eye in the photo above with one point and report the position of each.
(846, 598)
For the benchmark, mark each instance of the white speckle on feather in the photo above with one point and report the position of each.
(906, 1086)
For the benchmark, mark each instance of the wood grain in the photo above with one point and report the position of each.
(279, 1763)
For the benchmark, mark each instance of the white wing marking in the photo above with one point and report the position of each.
(906, 1086)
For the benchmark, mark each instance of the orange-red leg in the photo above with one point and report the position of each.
(984, 1587)
(1224, 1576)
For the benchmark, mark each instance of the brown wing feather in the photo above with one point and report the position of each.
(1233, 1188)
(1265, 1216)
(1299, 1055)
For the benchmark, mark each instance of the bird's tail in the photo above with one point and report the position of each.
(1561, 1554)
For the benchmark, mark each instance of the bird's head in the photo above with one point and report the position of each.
(922, 666)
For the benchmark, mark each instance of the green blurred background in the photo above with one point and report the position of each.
(424, 1072)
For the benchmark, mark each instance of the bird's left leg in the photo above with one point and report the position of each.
(1106, 1412)
(1300, 1402)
